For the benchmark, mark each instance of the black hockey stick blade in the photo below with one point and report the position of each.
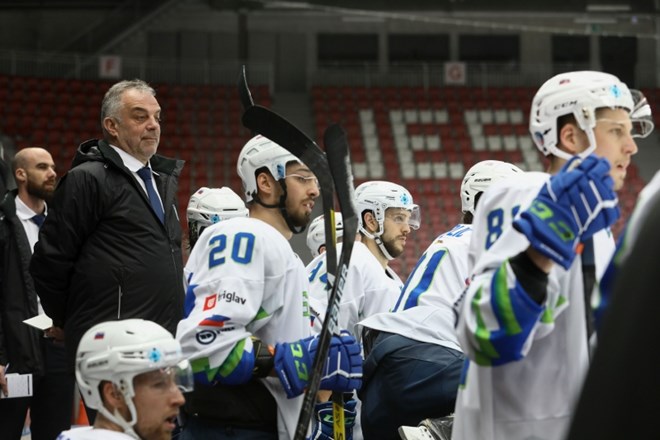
(276, 128)
(243, 90)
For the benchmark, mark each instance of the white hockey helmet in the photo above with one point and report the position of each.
(480, 176)
(580, 94)
(117, 351)
(316, 233)
(208, 206)
(377, 196)
(260, 152)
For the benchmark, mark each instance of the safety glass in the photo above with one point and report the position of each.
(403, 216)
(179, 375)
(641, 117)
(304, 180)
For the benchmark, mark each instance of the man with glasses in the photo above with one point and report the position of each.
(133, 373)
(540, 241)
(386, 215)
(246, 327)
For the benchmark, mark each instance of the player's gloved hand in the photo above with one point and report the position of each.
(342, 370)
(323, 422)
(574, 204)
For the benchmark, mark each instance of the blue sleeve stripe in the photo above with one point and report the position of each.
(426, 279)
(405, 286)
(189, 300)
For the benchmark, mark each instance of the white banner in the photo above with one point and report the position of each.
(455, 73)
(110, 67)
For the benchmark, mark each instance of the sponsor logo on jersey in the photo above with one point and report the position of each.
(209, 302)
(231, 297)
(217, 323)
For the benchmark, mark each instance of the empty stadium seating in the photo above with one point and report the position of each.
(423, 138)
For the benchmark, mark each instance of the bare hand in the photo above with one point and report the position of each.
(3, 381)
(55, 333)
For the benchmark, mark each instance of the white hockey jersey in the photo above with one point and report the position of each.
(244, 279)
(91, 433)
(369, 289)
(424, 311)
(526, 361)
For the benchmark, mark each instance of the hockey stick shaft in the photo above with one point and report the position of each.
(337, 153)
(271, 125)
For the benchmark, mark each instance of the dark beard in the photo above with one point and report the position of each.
(40, 192)
(394, 253)
(300, 220)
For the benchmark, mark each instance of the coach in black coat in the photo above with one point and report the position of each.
(108, 252)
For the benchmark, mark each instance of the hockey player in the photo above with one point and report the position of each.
(522, 319)
(412, 371)
(133, 373)
(208, 206)
(625, 284)
(386, 215)
(246, 326)
(316, 234)
(423, 324)
(621, 367)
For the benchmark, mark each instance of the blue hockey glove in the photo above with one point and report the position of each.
(322, 428)
(342, 370)
(574, 204)
(293, 365)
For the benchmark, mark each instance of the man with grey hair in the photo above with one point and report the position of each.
(111, 247)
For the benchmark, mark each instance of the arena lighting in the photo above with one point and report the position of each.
(608, 8)
(595, 20)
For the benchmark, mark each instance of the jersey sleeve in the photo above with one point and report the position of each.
(439, 276)
(225, 302)
(497, 319)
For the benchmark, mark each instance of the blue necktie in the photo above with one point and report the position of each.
(38, 219)
(145, 174)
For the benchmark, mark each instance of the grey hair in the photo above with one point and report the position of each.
(112, 99)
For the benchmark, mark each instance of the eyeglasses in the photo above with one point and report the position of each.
(304, 180)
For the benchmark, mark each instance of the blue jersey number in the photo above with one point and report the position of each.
(241, 249)
(496, 224)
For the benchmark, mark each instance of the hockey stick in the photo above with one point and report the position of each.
(281, 131)
(337, 152)
(317, 163)
(243, 90)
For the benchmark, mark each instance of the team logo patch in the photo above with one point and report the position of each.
(405, 199)
(214, 321)
(155, 355)
(210, 301)
(616, 91)
(215, 218)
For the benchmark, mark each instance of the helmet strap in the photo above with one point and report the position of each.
(282, 207)
(376, 238)
(119, 420)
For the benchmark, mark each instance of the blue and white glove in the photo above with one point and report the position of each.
(342, 370)
(323, 423)
(574, 204)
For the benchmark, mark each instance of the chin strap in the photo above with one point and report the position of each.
(119, 420)
(281, 205)
(379, 243)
